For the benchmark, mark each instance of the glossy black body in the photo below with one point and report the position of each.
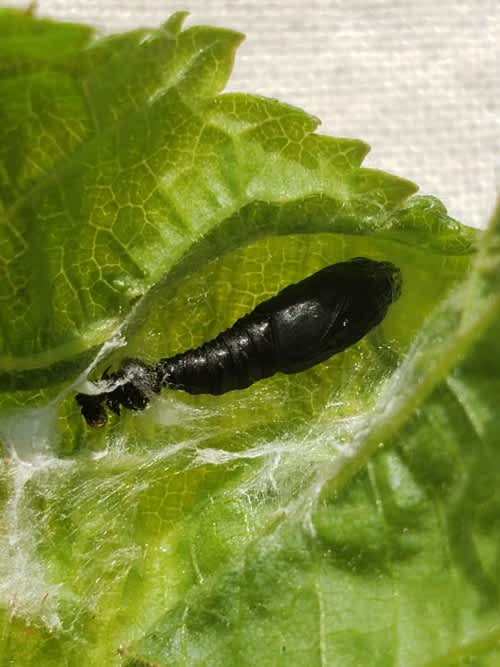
(302, 325)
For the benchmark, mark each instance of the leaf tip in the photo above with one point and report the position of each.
(174, 23)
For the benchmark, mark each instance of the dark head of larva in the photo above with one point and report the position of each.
(340, 304)
(92, 409)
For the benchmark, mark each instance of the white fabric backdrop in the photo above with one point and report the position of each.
(419, 81)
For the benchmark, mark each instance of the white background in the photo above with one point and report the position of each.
(419, 81)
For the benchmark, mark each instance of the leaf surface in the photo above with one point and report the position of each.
(347, 514)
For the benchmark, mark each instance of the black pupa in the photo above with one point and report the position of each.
(301, 326)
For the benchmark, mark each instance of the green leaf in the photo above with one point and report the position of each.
(346, 515)
(88, 150)
(373, 539)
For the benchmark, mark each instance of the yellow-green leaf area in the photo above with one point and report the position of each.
(344, 515)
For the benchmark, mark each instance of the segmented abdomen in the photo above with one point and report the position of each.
(235, 359)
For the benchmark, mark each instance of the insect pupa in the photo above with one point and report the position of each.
(301, 326)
